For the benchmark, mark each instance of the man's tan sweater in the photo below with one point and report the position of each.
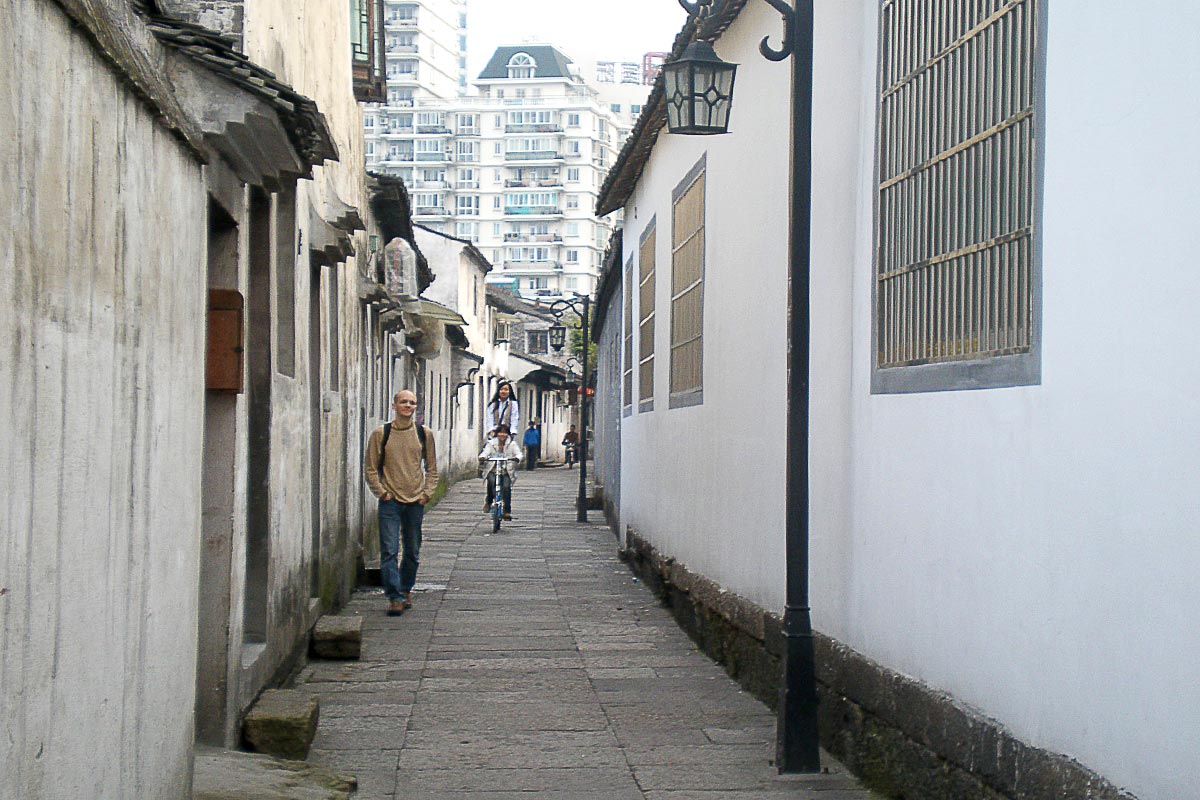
(402, 476)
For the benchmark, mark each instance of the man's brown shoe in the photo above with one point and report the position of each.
(407, 602)
(487, 506)
(396, 608)
(508, 517)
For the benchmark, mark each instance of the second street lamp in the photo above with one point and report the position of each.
(580, 304)
(797, 742)
(558, 336)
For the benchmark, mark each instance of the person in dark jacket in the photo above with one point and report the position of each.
(533, 445)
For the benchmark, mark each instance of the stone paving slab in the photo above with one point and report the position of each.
(533, 664)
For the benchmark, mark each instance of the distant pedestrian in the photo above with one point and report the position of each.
(402, 472)
(502, 410)
(533, 446)
(570, 443)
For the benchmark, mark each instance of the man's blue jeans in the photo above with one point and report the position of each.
(399, 520)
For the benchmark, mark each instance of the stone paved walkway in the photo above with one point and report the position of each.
(533, 664)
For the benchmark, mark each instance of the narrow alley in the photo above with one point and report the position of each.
(534, 664)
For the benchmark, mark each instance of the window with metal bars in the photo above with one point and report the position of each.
(687, 289)
(958, 274)
(646, 316)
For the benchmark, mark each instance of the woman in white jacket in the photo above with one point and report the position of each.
(502, 445)
(502, 410)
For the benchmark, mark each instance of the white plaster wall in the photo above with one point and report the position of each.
(706, 483)
(458, 284)
(102, 304)
(1030, 550)
(306, 44)
(555, 422)
(606, 446)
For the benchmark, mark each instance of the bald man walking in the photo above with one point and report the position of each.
(402, 472)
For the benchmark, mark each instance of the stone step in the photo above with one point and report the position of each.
(282, 723)
(337, 637)
(230, 775)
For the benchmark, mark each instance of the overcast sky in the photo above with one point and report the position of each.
(608, 30)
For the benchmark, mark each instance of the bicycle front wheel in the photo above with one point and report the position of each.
(496, 517)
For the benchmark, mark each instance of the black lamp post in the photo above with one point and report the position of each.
(580, 304)
(798, 746)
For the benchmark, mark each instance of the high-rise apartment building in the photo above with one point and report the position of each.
(516, 169)
(425, 49)
(652, 65)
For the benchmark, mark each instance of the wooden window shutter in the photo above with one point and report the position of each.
(225, 343)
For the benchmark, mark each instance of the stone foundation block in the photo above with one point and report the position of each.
(229, 775)
(282, 723)
(337, 637)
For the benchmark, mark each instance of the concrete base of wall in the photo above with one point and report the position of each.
(904, 739)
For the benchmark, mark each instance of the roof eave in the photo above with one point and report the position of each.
(622, 179)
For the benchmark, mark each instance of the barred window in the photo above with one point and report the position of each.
(687, 289)
(646, 318)
(628, 337)
(957, 290)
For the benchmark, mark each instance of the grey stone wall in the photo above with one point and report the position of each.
(904, 739)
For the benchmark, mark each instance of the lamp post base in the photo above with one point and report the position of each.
(798, 747)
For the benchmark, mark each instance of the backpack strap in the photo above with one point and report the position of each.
(424, 450)
(387, 431)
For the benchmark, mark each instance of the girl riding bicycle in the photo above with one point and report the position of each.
(501, 446)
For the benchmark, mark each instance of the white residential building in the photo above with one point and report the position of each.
(516, 170)
(623, 87)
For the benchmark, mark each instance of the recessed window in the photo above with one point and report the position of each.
(646, 283)
(537, 342)
(957, 288)
(687, 289)
(627, 336)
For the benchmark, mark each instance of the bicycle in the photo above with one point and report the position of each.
(570, 450)
(503, 484)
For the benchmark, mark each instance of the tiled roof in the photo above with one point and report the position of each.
(550, 62)
(304, 123)
(610, 280)
(113, 27)
(627, 169)
(505, 301)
